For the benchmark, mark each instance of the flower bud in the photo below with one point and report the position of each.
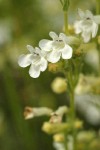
(54, 128)
(71, 29)
(58, 137)
(53, 67)
(35, 112)
(59, 85)
(78, 124)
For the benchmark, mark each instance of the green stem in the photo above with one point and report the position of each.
(72, 108)
(98, 45)
(71, 78)
(97, 6)
(72, 116)
(98, 48)
(66, 22)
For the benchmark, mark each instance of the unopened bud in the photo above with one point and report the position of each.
(58, 137)
(78, 124)
(71, 29)
(59, 85)
(54, 128)
(53, 67)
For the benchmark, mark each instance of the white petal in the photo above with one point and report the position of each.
(64, 38)
(94, 29)
(97, 19)
(88, 14)
(25, 60)
(53, 35)
(44, 53)
(54, 56)
(30, 48)
(67, 52)
(37, 50)
(86, 36)
(43, 65)
(34, 71)
(81, 13)
(78, 27)
(45, 45)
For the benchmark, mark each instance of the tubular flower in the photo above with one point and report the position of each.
(87, 25)
(57, 47)
(36, 59)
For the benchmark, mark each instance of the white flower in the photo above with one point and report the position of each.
(36, 112)
(35, 59)
(87, 25)
(57, 47)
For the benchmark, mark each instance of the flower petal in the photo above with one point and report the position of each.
(54, 56)
(86, 36)
(37, 50)
(81, 13)
(97, 19)
(34, 71)
(25, 60)
(78, 27)
(30, 48)
(53, 35)
(45, 45)
(67, 52)
(43, 65)
(88, 14)
(94, 29)
(64, 37)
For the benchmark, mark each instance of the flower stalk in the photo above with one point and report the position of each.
(66, 22)
(65, 6)
(71, 78)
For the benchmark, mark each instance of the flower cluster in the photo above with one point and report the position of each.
(48, 51)
(60, 47)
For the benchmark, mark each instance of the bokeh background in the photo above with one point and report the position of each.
(25, 22)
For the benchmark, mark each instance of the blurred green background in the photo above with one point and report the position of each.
(25, 22)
